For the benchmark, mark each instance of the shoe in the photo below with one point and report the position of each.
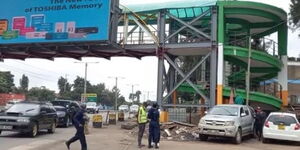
(150, 146)
(68, 145)
(156, 146)
(140, 146)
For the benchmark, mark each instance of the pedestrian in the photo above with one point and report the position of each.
(142, 121)
(260, 118)
(154, 127)
(79, 122)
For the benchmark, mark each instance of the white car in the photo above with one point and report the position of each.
(281, 126)
(91, 107)
(10, 103)
(134, 108)
(124, 108)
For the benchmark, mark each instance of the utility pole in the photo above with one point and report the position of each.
(248, 72)
(116, 94)
(85, 78)
(132, 94)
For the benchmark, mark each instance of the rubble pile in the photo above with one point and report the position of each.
(175, 131)
(179, 131)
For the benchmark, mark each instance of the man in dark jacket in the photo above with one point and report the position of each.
(79, 122)
(154, 128)
(259, 122)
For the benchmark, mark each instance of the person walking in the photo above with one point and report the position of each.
(142, 121)
(154, 127)
(259, 122)
(79, 122)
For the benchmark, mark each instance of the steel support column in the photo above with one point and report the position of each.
(213, 58)
(161, 23)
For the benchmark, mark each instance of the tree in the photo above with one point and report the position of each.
(138, 96)
(78, 88)
(41, 94)
(295, 11)
(64, 88)
(6, 82)
(24, 81)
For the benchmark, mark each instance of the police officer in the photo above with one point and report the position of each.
(259, 122)
(154, 128)
(79, 122)
(142, 121)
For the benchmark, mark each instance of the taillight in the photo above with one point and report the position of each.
(297, 127)
(267, 124)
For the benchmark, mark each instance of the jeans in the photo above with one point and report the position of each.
(141, 133)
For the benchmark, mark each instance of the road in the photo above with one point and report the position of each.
(113, 138)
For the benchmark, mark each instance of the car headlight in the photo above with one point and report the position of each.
(24, 120)
(202, 121)
(229, 123)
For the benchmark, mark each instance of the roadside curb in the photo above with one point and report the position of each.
(37, 145)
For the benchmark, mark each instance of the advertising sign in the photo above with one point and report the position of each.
(44, 21)
(90, 97)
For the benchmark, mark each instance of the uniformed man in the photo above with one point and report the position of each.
(79, 123)
(259, 122)
(142, 121)
(154, 128)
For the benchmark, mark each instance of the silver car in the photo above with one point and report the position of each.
(233, 121)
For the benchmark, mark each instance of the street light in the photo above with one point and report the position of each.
(85, 77)
(116, 94)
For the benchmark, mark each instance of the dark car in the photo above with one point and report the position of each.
(29, 117)
(71, 107)
(64, 118)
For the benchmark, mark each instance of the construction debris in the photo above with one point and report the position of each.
(128, 125)
(179, 131)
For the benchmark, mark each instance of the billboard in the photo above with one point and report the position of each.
(44, 21)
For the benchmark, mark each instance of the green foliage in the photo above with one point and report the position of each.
(41, 94)
(24, 82)
(64, 88)
(6, 82)
(295, 13)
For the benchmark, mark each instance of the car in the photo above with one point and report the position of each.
(91, 107)
(281, 126)
(124, 108)
(134, 108)
(29, 117)
(10, 103)
(233, 121)
(64, 118)
(70, 105)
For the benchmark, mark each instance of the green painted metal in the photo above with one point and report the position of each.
(252, 12)
(221, 24)
(256, 55)
(256, 96)
(282, 39)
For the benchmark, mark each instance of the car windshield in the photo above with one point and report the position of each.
(25, 109)
(60, 108)
(91, 104)
(60, 103)
(224, 111)
(282, 119)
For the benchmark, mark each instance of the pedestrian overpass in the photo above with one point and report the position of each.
(222, 34)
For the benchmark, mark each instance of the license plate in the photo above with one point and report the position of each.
(281, 127)
(6, 127)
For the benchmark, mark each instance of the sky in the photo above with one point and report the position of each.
(131, 71)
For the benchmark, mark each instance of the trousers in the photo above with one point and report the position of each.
(141, 133)
(79, 136)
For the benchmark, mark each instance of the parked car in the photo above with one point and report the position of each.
(234, 121)
(91, 107)
(281, 126)
(29, 117)
(70, 105)
(134, 108)
(124, 108)
(64, 118)
(10, 103)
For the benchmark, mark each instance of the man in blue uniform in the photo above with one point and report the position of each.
(154, 128)
(79, 122)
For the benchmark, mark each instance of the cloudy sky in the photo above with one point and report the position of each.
(141, 73)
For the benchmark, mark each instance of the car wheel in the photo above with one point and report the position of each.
(34, 130)
(67, 123)
(53, 127)
(238, 137)
(203, 137)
